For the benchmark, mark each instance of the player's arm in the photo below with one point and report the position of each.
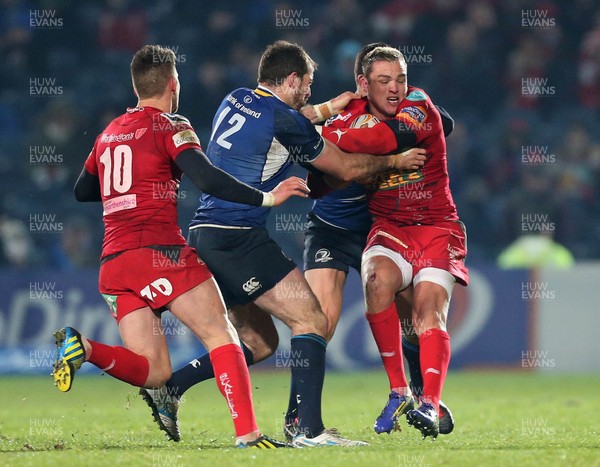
(87, 187)
(378, 139)
(321, 112)
(350, 167)
(300, 137)
(214, 181)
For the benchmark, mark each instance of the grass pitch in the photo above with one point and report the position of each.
(502, 419)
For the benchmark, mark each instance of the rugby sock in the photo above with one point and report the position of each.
(233, 381)
(413, 354)
(292, 410)
(308, 373)
(435, 357)
(385, 327)
(196, 371)
(119, 362)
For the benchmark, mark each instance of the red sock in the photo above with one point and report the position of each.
(233, 380)
(435, 357)
(385, 327)
(120, 363)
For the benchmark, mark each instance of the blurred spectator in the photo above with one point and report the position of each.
(509, 86)
(589, 68)
(18, 249)
(122, 26)
(535, 251)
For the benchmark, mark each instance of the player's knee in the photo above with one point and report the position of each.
(313, 322)
(428, 315)
(321, 323)
(379, 290)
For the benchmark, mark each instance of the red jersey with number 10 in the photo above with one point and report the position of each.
(408, 197)
(139, 181)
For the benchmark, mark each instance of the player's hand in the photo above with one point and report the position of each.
(340, 102)
(412, 159)
(292, 186)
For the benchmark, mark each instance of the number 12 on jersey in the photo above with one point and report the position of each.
(237, 121)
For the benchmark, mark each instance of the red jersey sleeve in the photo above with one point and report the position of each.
(378, 140)
(418, 115)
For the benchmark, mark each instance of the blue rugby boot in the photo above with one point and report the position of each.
(71, 355)
(425, 419)
(446, 421)
(396, 406)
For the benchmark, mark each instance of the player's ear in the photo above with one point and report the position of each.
(363, 85)
(172, 84)
(290, 80)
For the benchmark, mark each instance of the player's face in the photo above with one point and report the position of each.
(386, 86)
(303, 91)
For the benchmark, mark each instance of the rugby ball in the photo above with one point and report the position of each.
(365, 121)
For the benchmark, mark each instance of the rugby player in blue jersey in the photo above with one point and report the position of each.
(257, 135)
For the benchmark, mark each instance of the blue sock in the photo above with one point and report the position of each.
(292, 410)
(196, 371)
(412, 354)
(308, 373)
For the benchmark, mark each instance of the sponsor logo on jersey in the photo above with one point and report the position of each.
(365, 121)
(416, 96)
(112, 138)
(120, 203)
(251, 286)
(343, 117)
(185, 137)
(415, 115)
(395, 179)
(339, 133)
(140, 132)
(323, 256)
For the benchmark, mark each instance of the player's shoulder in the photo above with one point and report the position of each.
(354, 108)
(246, 97)
(417, 95)
(175, 120)
(255, 105)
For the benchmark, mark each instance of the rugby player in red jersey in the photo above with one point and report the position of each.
(417, 237)
(146, 267)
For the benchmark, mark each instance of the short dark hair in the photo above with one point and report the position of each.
(280, 60)
(361, 55)
(378, 54)
(151, 68)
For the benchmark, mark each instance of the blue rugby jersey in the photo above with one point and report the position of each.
(346, 208)
(256, 137)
